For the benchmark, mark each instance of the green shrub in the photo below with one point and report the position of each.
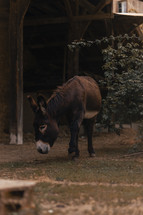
(123, 79)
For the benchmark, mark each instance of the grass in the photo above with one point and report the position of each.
(108, 184)
(90, 170)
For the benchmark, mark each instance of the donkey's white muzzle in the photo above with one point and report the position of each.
(42, 147)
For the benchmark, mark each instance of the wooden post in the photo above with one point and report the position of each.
(4, 68)
(73, 62)
(17, 12)
(74, 33)
(77, 29)
(13, 35)
(73, 57)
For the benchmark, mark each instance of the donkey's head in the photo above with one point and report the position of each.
(46, 128)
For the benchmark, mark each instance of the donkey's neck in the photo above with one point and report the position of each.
(56, 105)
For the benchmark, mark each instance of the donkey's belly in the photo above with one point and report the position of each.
(90, 114)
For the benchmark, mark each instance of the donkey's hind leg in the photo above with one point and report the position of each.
(88, 125)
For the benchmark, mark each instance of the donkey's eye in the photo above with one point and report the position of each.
(42, 128)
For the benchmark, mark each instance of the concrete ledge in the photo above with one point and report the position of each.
(16, 197)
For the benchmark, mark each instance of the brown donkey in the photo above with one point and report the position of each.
(79, 99)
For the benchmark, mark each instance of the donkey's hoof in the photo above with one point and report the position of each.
(73, 156)
(92, 155)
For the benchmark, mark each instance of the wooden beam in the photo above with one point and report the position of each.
(77, 8)
(44, 21)
(17, 12)
(62, 20)
(97, 10)
(101, 5)
(68, 9)
(41, 46)
(88, 5)
(98, 16)
(78, 26)
(23, 7)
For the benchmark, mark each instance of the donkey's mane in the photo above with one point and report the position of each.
(56, 100)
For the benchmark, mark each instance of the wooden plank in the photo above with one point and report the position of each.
(61, 20)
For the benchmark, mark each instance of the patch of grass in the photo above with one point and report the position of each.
(90, 170)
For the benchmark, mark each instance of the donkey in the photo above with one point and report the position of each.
(79, 99)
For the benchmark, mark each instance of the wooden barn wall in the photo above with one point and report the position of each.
(4, 66)
(135, 6)
(115, 6)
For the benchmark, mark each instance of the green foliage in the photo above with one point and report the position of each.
(104, 40)
(124, 82)
(123, 78)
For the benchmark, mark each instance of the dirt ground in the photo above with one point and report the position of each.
(27, 152)
(66, 187)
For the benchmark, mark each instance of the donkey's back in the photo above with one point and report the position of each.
(85, 90)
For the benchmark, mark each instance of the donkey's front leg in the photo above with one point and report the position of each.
(73, 144)
(75, 123)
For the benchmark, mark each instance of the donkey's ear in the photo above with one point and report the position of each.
(42, 103)
(33, 104)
